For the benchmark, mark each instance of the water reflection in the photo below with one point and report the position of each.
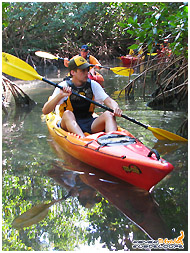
(165, 147)
(85, 181)
(28, 160)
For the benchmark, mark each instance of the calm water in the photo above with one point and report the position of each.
(102, 212)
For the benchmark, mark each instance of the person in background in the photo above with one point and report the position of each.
(77, 113)
(85, 53)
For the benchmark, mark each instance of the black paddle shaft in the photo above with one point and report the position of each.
(95, 103)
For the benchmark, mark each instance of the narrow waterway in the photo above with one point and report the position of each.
(103, 212)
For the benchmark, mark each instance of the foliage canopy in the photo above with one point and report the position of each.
(109, 28)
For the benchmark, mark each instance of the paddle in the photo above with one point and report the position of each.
(15, 67)
(152, 54)
(35, 214)
(117, 70)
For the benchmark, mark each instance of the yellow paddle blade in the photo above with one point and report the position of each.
(152, 54)
(122, 71)
(46, 55)
(13, 66)
(117, 92)
(162, 134)
(32, 216)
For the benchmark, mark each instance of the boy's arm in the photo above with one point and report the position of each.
(50, 105)
(113, 105)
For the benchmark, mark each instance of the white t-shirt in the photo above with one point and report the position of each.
(98, 91)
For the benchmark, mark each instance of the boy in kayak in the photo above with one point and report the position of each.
(77, 113)
(85, 53)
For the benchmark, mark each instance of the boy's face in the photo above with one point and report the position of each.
(80, 76)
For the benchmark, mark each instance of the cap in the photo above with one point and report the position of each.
(85, 48)
(78, 62)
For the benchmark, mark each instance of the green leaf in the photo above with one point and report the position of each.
(135, 18)
(130, 32)
(186, 9)
(122, 24)
(130, 20)
(172, 24)
(157, 16)
(154, 30)
(4, 5)
(177, 37)
(134, 46)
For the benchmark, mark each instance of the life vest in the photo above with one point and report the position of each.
(87, 57)
(79, 106)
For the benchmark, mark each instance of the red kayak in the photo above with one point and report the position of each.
(97, 77)
(129, 60)
(117, 153)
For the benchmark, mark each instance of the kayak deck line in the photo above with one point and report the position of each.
(102, 145)
(87, 144)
